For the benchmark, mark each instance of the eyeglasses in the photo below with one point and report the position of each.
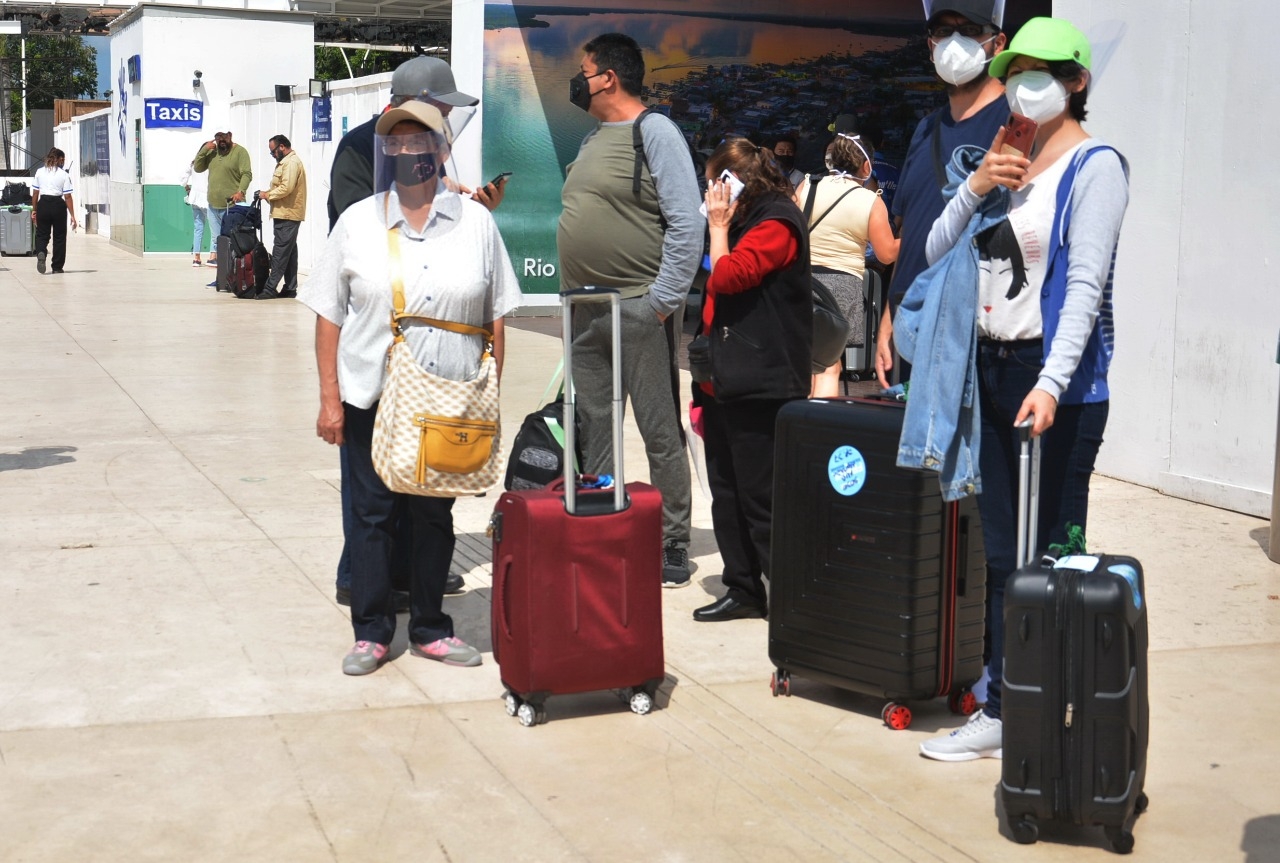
(969, 31)
(422, 142)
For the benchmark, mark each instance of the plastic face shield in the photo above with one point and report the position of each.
(455, 117)
(412, 164)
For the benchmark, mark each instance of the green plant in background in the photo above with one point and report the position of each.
(58, 67)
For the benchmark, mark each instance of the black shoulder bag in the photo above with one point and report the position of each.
(830, 327)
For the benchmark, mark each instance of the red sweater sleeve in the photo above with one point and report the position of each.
(767, 247)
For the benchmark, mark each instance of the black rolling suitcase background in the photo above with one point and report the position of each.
(1074, 698)
(880, 589)
(226, 263)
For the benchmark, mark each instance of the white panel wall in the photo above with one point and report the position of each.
(355, 100)
(1189, 99)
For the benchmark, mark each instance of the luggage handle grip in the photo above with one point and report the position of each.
(567, 299)
(1028, 491)
(500, 594)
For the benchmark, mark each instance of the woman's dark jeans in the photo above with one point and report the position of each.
(1005, 376)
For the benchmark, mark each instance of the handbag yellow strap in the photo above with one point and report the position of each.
(397, 293)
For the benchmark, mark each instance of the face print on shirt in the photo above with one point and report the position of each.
(1000, 258)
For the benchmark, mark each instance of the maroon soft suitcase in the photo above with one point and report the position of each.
(577, 579)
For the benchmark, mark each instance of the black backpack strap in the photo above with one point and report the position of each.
(813, 179)
(808, 204)
(939, 165)
(637, 144)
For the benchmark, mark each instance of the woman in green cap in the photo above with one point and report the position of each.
(1044, 316)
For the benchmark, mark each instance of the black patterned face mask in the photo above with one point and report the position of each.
(414, 169)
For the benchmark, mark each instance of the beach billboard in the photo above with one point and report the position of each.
(717, 67)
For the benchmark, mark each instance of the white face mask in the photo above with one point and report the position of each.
(960, 59)
(1036, 95)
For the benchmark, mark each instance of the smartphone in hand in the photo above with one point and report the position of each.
(499, 179)
(1019, 136)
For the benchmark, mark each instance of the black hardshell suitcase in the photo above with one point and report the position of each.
(877, 585)
(227, 258)
(1074, 700)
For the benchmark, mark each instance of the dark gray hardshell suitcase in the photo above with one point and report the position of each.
(876, 585)
(1074, 701)
(226, 263)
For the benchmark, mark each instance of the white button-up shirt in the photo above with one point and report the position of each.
(456, 269)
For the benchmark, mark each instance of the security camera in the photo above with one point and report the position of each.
(199, 74)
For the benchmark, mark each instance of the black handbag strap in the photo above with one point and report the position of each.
(813, 194)
(939, 166)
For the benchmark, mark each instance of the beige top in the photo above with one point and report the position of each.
(288, 191)
(839, 242)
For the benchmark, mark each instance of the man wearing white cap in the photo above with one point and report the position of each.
(964, 36)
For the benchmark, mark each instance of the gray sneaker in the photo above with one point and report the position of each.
(365, 657)
(980, 737)
(40, 262)
(675, 567)
(450, 651)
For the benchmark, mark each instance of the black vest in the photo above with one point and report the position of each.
(762, 338)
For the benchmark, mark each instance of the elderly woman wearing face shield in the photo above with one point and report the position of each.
(454, 267)
(1049, 220)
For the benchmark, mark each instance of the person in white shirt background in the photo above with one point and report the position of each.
(196, 185)
(50, 204)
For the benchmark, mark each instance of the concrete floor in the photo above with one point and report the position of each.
(169, 526)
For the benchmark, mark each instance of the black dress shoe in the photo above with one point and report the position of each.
(264, 294)
(454, 583)
(288, 294)
(728, 608)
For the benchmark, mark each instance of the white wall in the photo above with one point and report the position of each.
(355, 101)
(1190, 99)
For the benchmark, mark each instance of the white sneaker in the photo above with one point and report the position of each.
(980, 737)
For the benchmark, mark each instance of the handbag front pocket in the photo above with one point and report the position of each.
(452, 445)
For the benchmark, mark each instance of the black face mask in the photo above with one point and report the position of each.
(414, 169)
(580, 91)
(786, 163)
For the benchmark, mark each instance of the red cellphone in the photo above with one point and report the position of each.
(1019, 135)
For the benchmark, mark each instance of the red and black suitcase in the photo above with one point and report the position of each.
(1074, 700)
(577, 576)
(877, 585)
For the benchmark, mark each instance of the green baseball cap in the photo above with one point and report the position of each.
(1044, 39)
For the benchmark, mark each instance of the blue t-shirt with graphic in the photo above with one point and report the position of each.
(918, 198)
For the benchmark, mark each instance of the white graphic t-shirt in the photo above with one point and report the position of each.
(1013, 258)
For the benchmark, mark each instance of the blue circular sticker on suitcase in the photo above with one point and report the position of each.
(847, 470)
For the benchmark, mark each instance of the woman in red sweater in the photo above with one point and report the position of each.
(758, 315)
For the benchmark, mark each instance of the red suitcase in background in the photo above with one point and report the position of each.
(577, 577)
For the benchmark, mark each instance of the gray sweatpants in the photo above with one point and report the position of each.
(646, 380)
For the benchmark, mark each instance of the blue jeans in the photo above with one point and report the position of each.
(375, 511)
(200, 217)
(1069, 449)
(215, 222)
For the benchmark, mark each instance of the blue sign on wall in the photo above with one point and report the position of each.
(173, 113)
(321, 119)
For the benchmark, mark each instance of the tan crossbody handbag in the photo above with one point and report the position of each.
(434, 436)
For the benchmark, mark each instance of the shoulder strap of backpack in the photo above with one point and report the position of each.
(827, 211)
(939, 163)
(637, 144)
(814, 180)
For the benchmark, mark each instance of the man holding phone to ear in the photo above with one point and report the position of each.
(964, 36)
(631, 223)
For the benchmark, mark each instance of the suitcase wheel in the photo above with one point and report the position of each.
(530, 715)
(1025, 831)
(780, 683)
(1121, 840)
(963, 702)
(641, 702)
(896, 716)
(1140, 805)
(512, 702)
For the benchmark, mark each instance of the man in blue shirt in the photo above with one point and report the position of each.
(964, 35)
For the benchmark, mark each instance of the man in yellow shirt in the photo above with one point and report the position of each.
(288, 199)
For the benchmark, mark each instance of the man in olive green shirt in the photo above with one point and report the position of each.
(288, 199)
(229, 177)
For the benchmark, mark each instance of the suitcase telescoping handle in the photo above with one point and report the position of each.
(568, 299)
(1028, 492)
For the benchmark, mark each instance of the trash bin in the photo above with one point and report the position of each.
(1273, 546)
